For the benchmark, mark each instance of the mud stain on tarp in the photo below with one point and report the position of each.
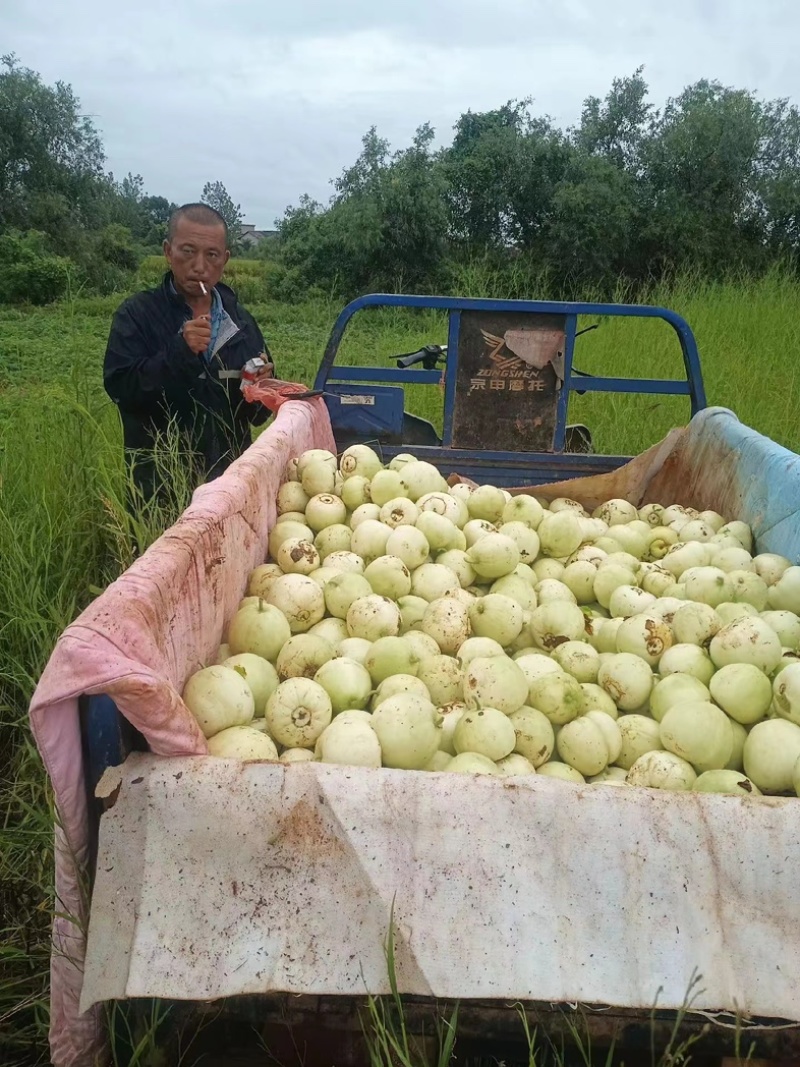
(305, 832)
(710, 482)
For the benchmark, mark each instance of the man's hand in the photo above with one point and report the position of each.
(267, 371)
(197, 334)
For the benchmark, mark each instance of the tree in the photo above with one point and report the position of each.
(123, 202)
(593, 229)
(478, 165)
(385, 226)
(157, 209)
(155, 214)
(366, 173)
(537, 166)
(778, 177)
(216, 195)
(47, 146)
(128, 205)
(702, 159)
(617, 127)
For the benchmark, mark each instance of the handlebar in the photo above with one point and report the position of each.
(428, 356)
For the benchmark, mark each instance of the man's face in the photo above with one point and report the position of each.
(196, 253)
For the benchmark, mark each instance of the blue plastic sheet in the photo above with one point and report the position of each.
(744, 475)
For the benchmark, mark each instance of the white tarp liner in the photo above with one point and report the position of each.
(218, 878)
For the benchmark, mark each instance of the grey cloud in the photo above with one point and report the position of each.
(273, 98)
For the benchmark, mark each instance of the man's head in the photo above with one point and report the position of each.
(196, 247)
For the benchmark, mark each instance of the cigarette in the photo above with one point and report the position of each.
(203, 289)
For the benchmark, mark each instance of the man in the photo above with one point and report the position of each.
(175, 356)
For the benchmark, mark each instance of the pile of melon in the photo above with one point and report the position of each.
(405, 623)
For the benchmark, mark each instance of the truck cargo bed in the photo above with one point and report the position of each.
(217, 881)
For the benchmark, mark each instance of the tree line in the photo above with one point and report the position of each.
(708, 183)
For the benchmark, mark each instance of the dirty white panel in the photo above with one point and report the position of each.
(263, 878)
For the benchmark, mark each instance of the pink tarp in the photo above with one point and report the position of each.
(137, 643)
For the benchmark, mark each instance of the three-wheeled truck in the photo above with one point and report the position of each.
(260, 895)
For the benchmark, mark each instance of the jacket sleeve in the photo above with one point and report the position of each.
(134, 374)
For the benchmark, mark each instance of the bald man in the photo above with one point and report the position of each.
(175, 356)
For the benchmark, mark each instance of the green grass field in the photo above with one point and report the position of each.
(746, 334)
(63, 534)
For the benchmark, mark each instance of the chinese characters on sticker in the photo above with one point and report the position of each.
(512, 385)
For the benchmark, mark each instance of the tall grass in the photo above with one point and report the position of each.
(51, 552)
(747, 335)
(389, 1040)
(64, 533)
(747, 332)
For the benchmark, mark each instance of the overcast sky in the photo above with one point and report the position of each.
(272, 98)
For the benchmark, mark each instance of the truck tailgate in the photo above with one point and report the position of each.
(218, 878)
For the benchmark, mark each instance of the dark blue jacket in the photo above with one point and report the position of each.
(154, 378)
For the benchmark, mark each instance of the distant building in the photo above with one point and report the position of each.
(251, 237)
